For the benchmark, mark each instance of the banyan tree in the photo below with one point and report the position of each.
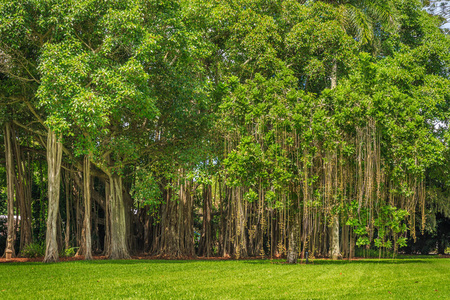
(225, 128)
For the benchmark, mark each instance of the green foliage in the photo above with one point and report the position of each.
(69, 252)
(33, 250)
(390, 221)
(251, 196)
(146, 190)
(366, 252)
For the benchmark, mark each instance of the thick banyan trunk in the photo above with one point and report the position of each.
(185, 223)
(118, 243)
(170, 244)
(87, 208)
(292, 255)
(54, 157)
(10, 189)
(335, 252)
(240, 241)
(23, 195)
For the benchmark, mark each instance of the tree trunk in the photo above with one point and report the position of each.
(67, 184)
(87, 208)
(293, 244)
(59, 232)
(240, 241)
(188, 225)
(146, 230)
(129, 219)
(54, 157)
(170, 243)
(335, 253)
(119, 249)
(10, 189)
(334, 75)
(23, 195)
(107, 241)
(206, 238)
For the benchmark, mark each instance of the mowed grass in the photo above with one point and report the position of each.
(244, 279)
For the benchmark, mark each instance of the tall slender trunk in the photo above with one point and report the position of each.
(333, 76)
(23, 195)
(78, 217)
(87, 207)
(119, 249)
(59, 236)
(206, 238)
(335, 252)
(241, 243)
(67, 184)
(10, 189)
(54, 157)
(107, 241)
(293, 243)
(146, 230)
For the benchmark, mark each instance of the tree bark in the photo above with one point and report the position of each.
(87, 208)
(119, 249)
(334, 75)
(240, 240)
(335, 252)
(146, 231)
(54, 157)
(206, 238)
(188, 225)
(293, 244)
(23, 194)
(170, 244)
(10, 189)
(107, 241)
(67, 184)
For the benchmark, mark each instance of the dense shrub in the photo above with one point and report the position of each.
(33, 250)
(69, 252)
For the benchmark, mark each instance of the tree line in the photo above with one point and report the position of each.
(230, 128)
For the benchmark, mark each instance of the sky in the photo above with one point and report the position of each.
(441, 8)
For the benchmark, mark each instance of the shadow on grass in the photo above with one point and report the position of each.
(99, 262)
(385, 261)
(345, 262)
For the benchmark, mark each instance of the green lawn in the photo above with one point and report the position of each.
(261, 279)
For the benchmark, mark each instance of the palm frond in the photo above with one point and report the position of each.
(359, 23)
(380, 11)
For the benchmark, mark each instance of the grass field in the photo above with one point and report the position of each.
(245, 279)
